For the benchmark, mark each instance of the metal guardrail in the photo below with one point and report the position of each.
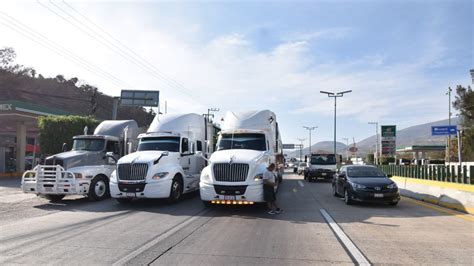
(450, 174)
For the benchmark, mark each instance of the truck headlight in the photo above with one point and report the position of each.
(31, 174)
(159, 175)
(78, 175)
(258, 177)
(113, 177)
(205, 176)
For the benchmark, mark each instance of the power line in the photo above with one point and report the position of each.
(42, 40)
(113, 47)
(124, 46)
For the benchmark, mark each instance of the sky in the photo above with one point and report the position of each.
(397, 57)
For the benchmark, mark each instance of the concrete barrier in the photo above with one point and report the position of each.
(451, 195)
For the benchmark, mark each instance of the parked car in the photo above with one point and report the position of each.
(363, 183)
(302, 167)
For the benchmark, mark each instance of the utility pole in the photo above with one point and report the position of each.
(335, 96)
(310, 129)
(209, 111)
(448, 154)
(301, 148)
(376, 157)
(347, 148)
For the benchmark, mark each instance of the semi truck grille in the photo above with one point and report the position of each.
(136, 171)
(226, 172)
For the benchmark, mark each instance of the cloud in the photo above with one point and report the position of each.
(228, 71)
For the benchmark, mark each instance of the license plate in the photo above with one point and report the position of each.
(229, 197)
(378, 195)
(323, 174)
(130, 195)
(48, 188)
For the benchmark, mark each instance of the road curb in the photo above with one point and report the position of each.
(453, 196)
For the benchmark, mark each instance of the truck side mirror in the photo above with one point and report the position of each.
(117, 148)
(200, 154)
(64, 148)
(111, 156)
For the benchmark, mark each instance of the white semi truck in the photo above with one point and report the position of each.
(248, 143)
(168, 161)
(86, 169)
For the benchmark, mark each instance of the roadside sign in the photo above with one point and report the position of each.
(289, 146)
(389, 131)
(443, 130)
(140, 98)
(389, 140)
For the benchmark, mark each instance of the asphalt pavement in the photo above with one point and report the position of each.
(78, 232)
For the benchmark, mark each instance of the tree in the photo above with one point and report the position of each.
(464, 103)
(7, 56)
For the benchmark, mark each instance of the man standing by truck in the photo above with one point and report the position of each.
(269, 184)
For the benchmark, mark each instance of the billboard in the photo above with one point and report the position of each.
(140, 98)
(389, 140)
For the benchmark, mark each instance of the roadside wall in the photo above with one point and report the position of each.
(451, 195)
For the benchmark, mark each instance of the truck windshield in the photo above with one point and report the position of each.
(323, 159)
(88, 145)
(170, 144)
(242, 141)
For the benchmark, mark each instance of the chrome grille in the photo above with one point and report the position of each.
(226, 172)
(136, 171)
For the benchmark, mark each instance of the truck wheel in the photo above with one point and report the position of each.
(99, 188)
(124, 201)
(54, 198)
(176, 189)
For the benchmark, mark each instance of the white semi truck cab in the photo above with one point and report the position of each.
(86, 169)
(168, 161)
(247, 144)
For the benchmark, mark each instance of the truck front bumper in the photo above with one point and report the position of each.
(53, 180)
(316, 174)
(239, 193)
(152, 190)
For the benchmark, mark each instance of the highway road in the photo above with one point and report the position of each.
(316, 228)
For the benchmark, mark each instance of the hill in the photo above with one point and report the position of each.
(65, 95)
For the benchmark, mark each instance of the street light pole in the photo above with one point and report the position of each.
(309, 129)
(376, 157)
(449, 122)
(301, 148)
(335, 96)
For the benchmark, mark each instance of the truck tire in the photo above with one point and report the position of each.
(176, 189)
(54, 198)
(99, 188)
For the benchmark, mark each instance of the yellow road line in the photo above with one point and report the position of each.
(466, 217)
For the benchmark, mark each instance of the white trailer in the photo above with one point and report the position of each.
(248, 143)
(85, 170)
(168, 161)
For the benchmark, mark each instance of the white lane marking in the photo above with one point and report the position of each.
(301, 183)
(159, 238)
(350, 246)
